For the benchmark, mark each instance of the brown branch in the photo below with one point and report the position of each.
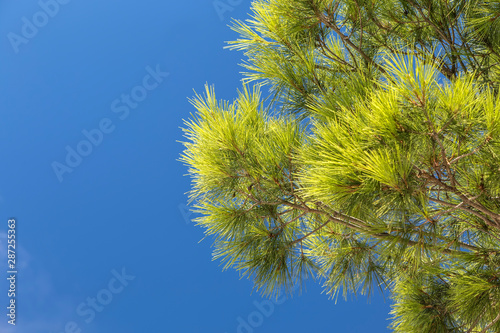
(310, 233)
(326, 20)
(288, 222)
(497, 318)
(466, 209)
(471, 152)
(470, 201)
(366, 230)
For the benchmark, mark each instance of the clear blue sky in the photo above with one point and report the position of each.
(102, 240)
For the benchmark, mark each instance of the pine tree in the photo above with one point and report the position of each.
(374, 163)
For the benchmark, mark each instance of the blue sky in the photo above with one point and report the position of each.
(111, 224)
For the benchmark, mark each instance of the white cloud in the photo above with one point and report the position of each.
(34, 289)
